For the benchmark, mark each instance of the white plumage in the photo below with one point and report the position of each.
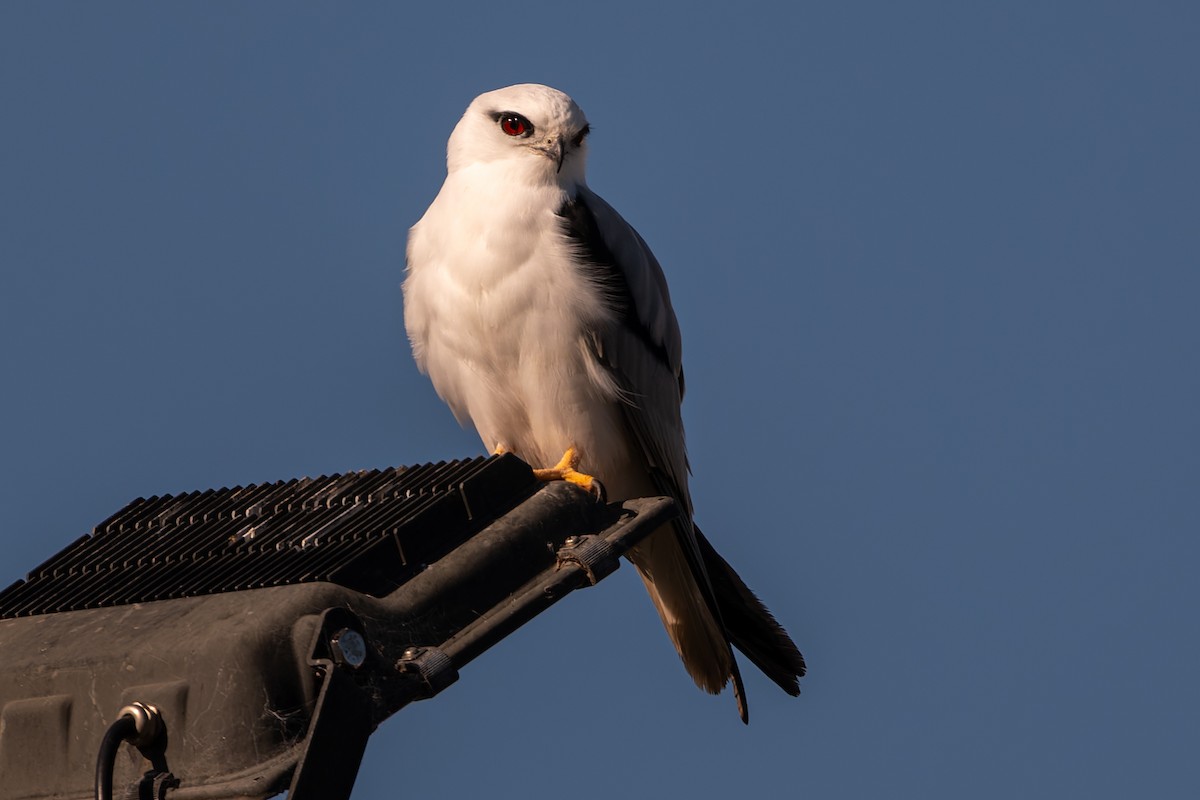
(544, 320)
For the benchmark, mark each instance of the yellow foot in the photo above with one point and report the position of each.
(500, 450)
(565, 470)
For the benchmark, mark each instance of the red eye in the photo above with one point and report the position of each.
(515, 125)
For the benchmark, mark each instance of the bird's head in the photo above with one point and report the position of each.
(539, 130)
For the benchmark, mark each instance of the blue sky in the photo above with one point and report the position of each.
(937, 268)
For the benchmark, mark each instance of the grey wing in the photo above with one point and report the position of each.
(642, 350)
(642, 347)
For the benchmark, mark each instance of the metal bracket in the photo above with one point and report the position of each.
(156, 785)
(432, 666)
(593, 554)
(337, 739)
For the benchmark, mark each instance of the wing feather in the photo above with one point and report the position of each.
(642, 349)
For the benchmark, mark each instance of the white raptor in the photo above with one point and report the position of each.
(543, 319)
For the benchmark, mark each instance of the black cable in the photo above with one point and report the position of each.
(124, 728)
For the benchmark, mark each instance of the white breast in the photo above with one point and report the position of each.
(497, 312)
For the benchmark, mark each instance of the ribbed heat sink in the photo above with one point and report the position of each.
(369, 531)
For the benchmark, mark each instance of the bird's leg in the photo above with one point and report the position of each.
(500, 450)
(565, 470)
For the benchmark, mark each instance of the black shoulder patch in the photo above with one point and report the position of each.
(601, 267)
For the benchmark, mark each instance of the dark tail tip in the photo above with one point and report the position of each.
(751, 627)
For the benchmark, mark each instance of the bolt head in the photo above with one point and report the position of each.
(571, 541)
(349, 648)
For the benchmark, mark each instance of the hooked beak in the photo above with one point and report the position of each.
(554, 149)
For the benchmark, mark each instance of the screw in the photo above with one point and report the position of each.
(410, 653)
(349, 648)
(571, 541)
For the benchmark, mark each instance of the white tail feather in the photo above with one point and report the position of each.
(697, 637)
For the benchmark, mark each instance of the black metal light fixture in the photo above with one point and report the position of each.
(247, 641)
